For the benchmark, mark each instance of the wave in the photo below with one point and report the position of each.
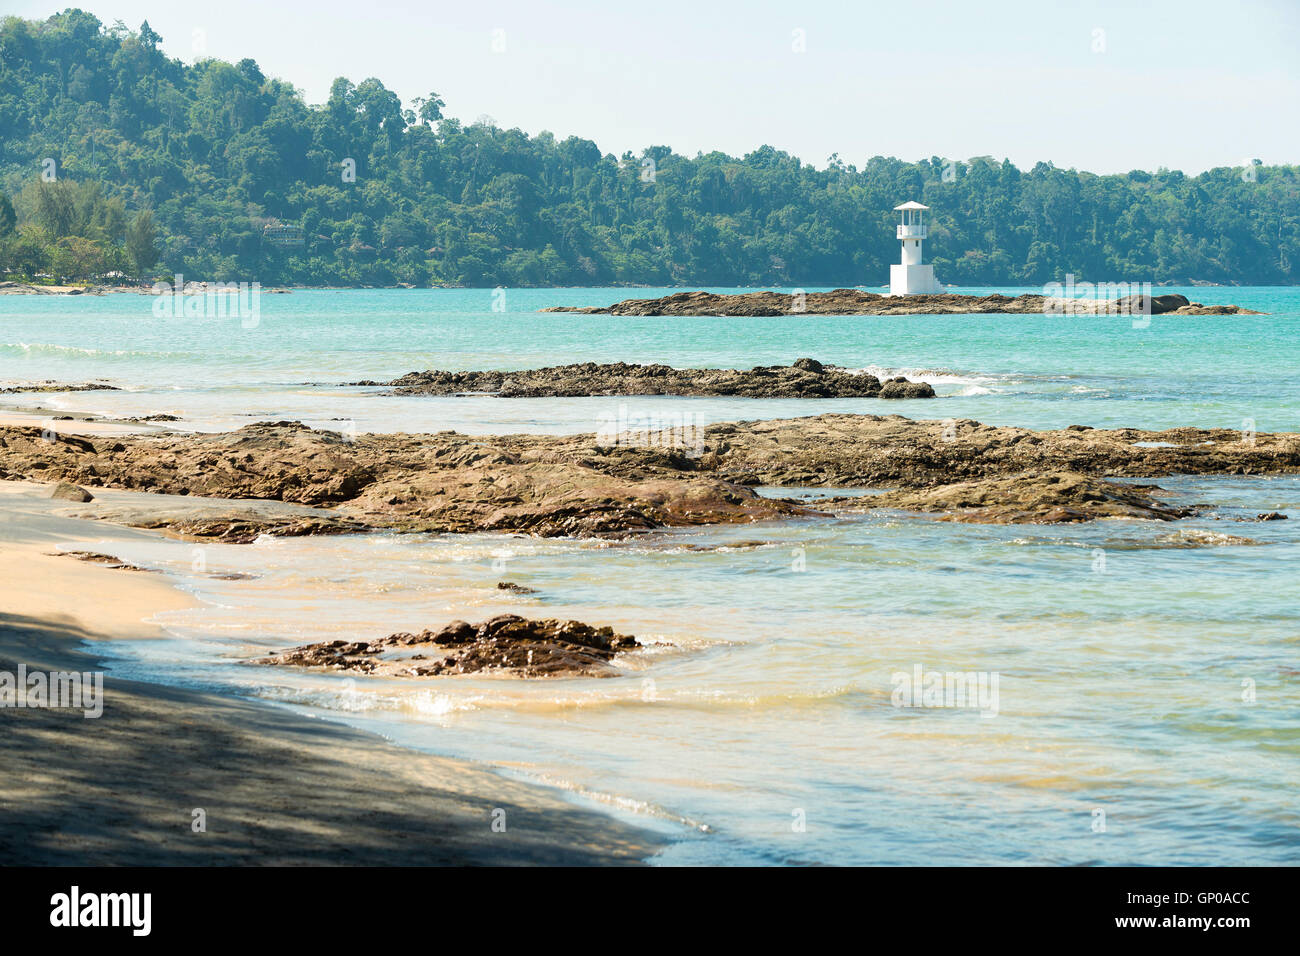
(28, 348)
(355, 695)
(614, 801)
(1178, 539)
(1192, 538)
(940, 376)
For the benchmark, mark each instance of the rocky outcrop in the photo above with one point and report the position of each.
(60, 387)
(245, 528)
(446, 482)
(284, 461)
(506, 643)
(23, 288)
(1032, 498)
(1152, 304)
(806, 378)
(902, 388)
(861, 302)
(874, 451)
(580, 485)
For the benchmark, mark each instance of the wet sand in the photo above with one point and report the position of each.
(277, 788)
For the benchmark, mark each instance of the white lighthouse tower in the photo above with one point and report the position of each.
(910, 277)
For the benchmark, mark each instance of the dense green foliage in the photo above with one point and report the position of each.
(214, 153)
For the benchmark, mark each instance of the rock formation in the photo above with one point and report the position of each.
(506, 643)
(1058, 497)
(576, 485)
(861, 302)
(806, 378)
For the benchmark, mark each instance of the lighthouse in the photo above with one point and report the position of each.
(910, 277)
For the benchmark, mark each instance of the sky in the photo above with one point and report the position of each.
(1101, 86)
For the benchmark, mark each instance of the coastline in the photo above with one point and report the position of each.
(949, 576)
(278, 788)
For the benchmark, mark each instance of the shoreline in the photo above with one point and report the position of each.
(278, 788)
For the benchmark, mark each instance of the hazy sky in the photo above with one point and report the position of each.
(1187, 84)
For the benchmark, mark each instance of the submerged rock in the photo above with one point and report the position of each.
(1200, 538)
(515, 588)
(507, 643)
(107, 560)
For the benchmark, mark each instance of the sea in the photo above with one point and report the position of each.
(875, 689)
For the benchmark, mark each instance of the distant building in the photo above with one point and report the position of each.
(278, 234)
(910, 277)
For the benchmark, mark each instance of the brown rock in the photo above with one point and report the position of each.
(332, 655)
(573, 485)
(515, 588)
(873, 451)
(60, 387)
(66, 491)
(1049, 498)
(806, 378)
(246, 528)
(509, 643)
(902, 388)
(861, 302)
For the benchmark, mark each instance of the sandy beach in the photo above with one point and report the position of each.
(277, 788)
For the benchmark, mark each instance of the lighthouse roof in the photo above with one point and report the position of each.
(910, 205)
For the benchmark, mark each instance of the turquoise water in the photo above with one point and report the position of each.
(1037, 371)
(1146, 673)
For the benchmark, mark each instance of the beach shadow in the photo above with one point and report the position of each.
(274, 788)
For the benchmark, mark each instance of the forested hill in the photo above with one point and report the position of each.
(239, 178)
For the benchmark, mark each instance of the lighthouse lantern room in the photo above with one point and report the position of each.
(910, 277)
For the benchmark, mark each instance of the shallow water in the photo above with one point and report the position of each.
(1141, 670)
(765, 691)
